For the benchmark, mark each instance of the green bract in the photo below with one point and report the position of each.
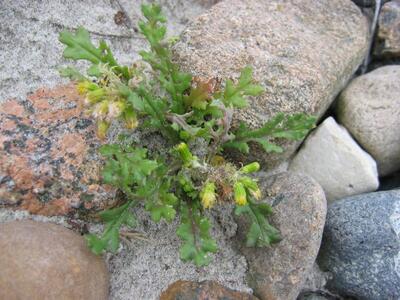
(190, 113)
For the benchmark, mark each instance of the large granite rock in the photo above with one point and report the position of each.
(387, 42)
(335, 160)
(48, 155)
(48, 261)
(361, 246)
(299, 204)
(303, 52)
(189, 290)
(370, 109)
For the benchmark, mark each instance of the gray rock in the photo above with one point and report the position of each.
(303, 53)
(370, 109)
(335, 160)
(47, 261)
(299, 204)
(387, 42)
(30, 53)
(361, 246)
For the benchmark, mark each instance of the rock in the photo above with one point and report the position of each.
(48, 261)
(302, 52)
(188, 290)
(48, 155)
(299, 204)
(387, 42)
(361, 246)
(28, 25)
(370, 109)
(334, 159)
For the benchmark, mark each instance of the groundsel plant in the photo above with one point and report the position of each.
(187, 111)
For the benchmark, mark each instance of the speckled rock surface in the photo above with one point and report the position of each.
(361, 246)
(299, 207)
(370, 109)
(337, 162)
(30, 53)
(388, 36)
(302, 51)
(189, 290)
(48, 261)
(48, 154)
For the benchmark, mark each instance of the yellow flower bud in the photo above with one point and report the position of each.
(207, 195)
(185, 153)
(252, 186)
(239, 193)
(85, 86)
(250, 168)
(102, 128)
(95, 96)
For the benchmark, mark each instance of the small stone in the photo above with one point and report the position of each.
(335, 160)
(302, 52)
(299, 209)
(387, 42)
(205, 290)
(370, 109)
(361, 246)
(48, 261)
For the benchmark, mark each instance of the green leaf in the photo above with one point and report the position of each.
(268, 146)
(293, 127)
(114, 219)
(241, 146)
(235, 95)
(260, 233)
(194, 232)
(126, 167)
(72, 73)
(136, 101)
(79, 46)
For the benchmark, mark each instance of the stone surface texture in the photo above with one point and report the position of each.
(299, 204)
(370, 109)
(30, 54)
(302, 51)
(48, 261)
(146, 266)
(361, 246)
(387, 41)
(337, 162)
(206, 290)
(48, 154)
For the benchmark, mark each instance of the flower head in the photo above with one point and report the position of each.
(207, 195)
